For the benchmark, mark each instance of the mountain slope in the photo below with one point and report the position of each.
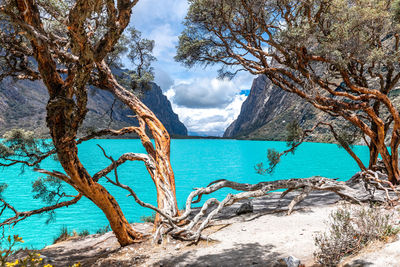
(267, 111)
(23, 105)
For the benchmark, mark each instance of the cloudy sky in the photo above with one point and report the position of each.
(205, 104)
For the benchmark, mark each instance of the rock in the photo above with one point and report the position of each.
(292, 261)
(246, 207)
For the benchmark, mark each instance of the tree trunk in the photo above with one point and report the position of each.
(82, 181)
(162, 174)
(391, 164)
(392, 168)
(373, 155)
(60, 123)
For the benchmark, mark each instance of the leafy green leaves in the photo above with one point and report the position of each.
(294, 134)
(3, 187)
(21, 147)
(49, 189)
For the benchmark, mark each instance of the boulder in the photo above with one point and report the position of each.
(246, 207)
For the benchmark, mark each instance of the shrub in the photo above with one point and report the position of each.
(84, 233)
(7, 251)
(151, 218)
(349, 231)
(64, 235)
(103, 230)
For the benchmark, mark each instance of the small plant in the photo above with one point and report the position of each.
(7, 248)
(349, 231)
(151, 218)
(103, 230)
(32, 259)
(84, 233)
(64, 235)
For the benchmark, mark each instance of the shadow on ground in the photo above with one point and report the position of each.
(272, 203)
(359, 263)
(252, 254)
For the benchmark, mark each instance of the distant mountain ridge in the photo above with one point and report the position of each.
(23, 105)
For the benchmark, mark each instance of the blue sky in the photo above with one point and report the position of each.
(204, 104)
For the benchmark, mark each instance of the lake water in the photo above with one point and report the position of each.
(195, 162)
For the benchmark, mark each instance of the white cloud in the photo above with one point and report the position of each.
(205, 93)
(165, 41)
(211, 121)
(207, 106)
(163, 79)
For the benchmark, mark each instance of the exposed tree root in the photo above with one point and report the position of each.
(190, 224)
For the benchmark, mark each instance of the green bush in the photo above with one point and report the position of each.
(349, 231)
(7, 251)
(84, 233)
(64, 235)
(151, 218)
(103, 230)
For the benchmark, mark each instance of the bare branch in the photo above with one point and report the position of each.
(19, 216)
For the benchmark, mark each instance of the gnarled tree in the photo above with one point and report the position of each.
(341, 56)
(69, 45)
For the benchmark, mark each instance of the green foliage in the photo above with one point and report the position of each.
(63, 235)
(293, 140)
(349, 231)
(47, 189)
(273, 158)
(20, 139)
(21, 145)
(294, 134)
(235, 32)
(8, 250)
(139, 51)
(103, 230)
(66, 234)
(113, 59)
(151, 218)
(3, 187)
(84, 233)
(5, 151)
(140, 55)
(8, 247)
(348, 135)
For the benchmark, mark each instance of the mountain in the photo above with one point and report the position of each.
(267, 111)
(23, 105)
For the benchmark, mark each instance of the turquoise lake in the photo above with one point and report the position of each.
(195, 162)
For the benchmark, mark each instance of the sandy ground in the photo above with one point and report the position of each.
(261, 238)
(260, 241)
